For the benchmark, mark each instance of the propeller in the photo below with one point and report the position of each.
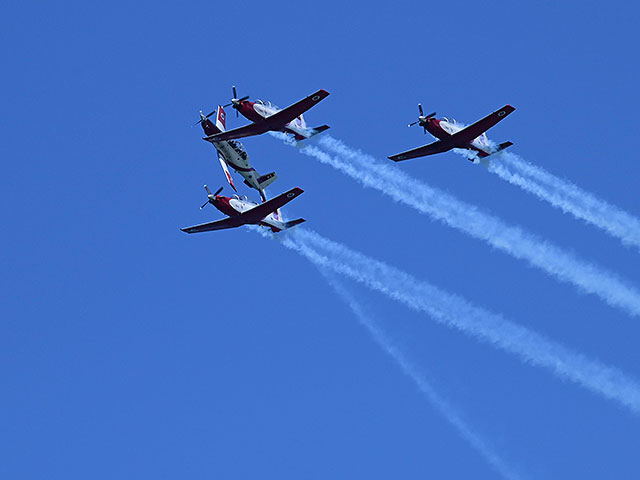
(235, 101)
(421, 118)
(203, 117)
(210, 197)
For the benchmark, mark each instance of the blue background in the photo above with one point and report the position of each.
(129, 349)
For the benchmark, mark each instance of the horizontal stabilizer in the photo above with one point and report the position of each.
(293, 223)
(504, 145)
(320, 129)
(265, 180)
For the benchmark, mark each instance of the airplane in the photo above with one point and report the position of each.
(267, 117)
(232, 153)
(242, 211)
(452, 135)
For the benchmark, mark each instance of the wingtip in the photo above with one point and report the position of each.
(319, 95)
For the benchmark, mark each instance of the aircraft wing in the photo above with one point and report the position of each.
(250, 216)
(274, 122)
(431, 149)
(246, 131)
(230, 222)
(474, 130)
(281, 118)
(258, 213)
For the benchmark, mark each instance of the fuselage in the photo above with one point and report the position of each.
(234, 154)
(234, 206)
(443, 128)
(259, 110)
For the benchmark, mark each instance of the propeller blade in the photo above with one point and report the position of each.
(412, 124)
(227, 105)
(420, 109)
(235, 95)
(204, 204)
(203, 119)
(207, 189)
(431, 115)
(425, 130)
(219, 190)
(243, 98)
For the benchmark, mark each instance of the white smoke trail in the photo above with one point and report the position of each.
(468, 218)
(566, 196)
(427, 390)
(455, 312)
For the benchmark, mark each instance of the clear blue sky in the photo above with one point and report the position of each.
(131, 350)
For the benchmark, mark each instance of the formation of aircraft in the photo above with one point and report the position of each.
(266, 117)
(451, 135)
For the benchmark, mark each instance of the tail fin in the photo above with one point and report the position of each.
(221, 118)
(293, 223)
(223, 163)
(265, 180)
(504, 145)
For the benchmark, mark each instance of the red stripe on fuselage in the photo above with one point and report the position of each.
(247, 111)
(434, 128)
(222, 204)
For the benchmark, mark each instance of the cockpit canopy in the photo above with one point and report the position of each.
(244, 198)
(267, 103)
(238, 144)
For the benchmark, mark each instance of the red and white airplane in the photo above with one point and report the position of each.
(242, 211)
(232, 153)
(267, 117)
(452, 135)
